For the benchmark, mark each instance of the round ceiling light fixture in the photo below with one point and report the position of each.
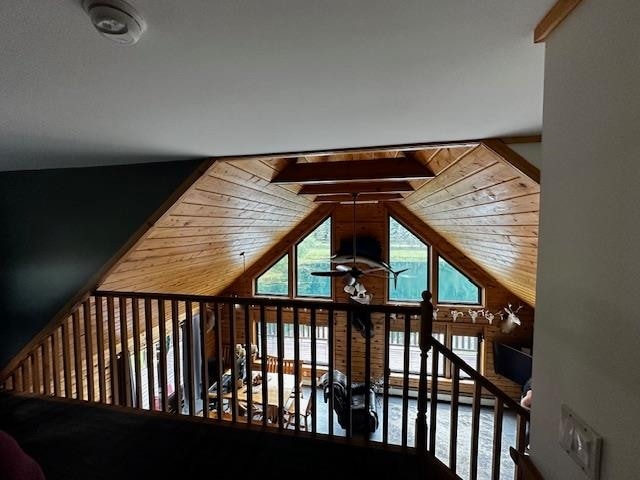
(116, 20)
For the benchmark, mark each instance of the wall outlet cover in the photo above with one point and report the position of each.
(581, 442)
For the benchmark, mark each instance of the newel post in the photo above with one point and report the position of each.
(426, 327)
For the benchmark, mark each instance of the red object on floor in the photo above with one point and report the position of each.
(16, 464)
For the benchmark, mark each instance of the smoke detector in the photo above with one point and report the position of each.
(116, 20)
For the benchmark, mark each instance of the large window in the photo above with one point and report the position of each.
(322, 345)
(462, 341)
(397, 349)
(312, 254)
(406, 251)
(275, 281)
(455, 287)
(466, 347)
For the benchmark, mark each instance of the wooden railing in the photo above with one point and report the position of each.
(154, 352)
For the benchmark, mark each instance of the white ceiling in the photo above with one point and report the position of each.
(223, 77)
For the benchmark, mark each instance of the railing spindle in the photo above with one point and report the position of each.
(162, 328)
(234, 366)
(150, 349)
(475, 430)
(46, 364)
(405, 379)
(331, 367)
(88, 349)
(202, 310)
(102, 383)
(77, 354)
(497, 439)
(113, 360)
(386, 372)
(314, 371)
(453, 422)
(280, 330)
(367, 369)
(37, 370)
(433, 413)
(175, 341)
(296, 368)
(135, 309)
(189, 342)
(55, 357)
(220, 363)
(124, 352)
(66, 359)
(263, 355)
(349, 319)
(248, 359)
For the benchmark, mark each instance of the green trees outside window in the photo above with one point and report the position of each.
(312, 255)
(407, 251)
(275, 281)
(454, 286)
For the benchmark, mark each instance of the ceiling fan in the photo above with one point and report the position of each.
(351, 274)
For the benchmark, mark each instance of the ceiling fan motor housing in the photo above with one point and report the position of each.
(115, 20)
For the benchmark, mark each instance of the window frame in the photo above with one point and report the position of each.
(256, 293)
(450, 330)
(430, 254)
(294, 262)
(436, 283)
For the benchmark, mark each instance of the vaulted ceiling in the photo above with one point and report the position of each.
(480, 196)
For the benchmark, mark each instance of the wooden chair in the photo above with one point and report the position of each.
(306, 405)
(272, 364)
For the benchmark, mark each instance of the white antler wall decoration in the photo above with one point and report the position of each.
(435, 314)
(512, 319)
(474, 314)
(489, 316)
(455, 314)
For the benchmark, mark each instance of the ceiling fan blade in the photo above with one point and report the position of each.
(330, 273)
(343, 268)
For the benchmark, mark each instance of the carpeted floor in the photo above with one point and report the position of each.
(77, 440)
(463, 453)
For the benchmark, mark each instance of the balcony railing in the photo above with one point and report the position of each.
(155, 352)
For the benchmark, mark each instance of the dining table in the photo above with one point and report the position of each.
(273, 401)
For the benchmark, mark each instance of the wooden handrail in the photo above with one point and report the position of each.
(477, 377)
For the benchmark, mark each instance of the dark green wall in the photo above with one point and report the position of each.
(59, 227)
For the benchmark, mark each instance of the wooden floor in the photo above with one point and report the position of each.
(77, 440)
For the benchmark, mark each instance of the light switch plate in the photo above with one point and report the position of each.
(581, 442)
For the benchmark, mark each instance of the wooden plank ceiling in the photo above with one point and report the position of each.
(482, 197)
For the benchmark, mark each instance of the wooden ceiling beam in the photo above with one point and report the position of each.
(554, 17)
(354, 170)
(361, 198)
(355, 187)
